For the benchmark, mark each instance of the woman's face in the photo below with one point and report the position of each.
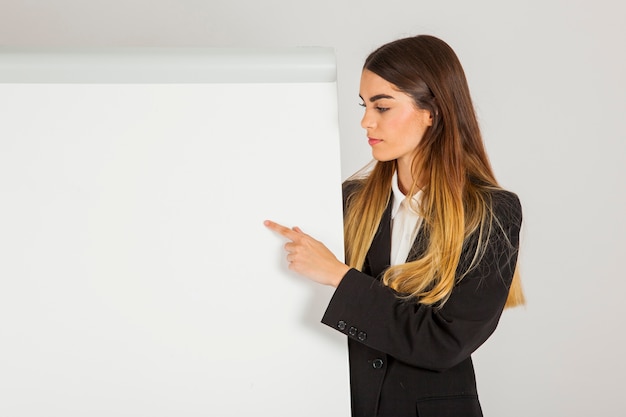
(393, 122)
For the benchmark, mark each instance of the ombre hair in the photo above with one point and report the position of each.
(450, 166)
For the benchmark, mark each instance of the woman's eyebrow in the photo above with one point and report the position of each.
(378, 97)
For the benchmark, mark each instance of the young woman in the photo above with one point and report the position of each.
(431, 240)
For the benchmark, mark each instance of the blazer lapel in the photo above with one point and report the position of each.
(419, 245)
(378, 256)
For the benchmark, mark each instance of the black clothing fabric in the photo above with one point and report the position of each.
(409, 359)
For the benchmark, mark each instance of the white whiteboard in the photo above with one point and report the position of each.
(137, 278)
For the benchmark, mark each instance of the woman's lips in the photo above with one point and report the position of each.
(373, 141)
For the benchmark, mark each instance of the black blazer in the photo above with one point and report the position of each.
(408, 359)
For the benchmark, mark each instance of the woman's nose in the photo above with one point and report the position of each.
(367, 122)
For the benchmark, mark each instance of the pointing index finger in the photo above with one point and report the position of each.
(281, 230)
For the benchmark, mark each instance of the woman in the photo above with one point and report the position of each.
(431, 240)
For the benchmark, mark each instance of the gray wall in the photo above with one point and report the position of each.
(548, 82)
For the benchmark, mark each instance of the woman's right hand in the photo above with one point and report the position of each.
(310, 257)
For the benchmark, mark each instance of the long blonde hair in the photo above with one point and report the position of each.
(451, 165)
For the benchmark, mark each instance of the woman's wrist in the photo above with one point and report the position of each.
(342, 270)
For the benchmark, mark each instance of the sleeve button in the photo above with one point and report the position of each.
(377, 363)
(353, 330)
(362, 336)
(341, 325)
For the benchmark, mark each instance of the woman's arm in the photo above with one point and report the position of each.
(425, 336)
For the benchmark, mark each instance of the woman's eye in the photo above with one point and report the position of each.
(378, 108)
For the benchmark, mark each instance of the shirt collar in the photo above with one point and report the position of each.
(398, 196)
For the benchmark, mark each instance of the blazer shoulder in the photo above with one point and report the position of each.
(349, 188)
(500, 200)
(506, 206)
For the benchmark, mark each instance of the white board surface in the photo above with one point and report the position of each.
(137, 278)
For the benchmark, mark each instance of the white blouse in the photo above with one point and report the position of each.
(405, 223)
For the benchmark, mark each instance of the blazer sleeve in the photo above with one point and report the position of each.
(431, 337)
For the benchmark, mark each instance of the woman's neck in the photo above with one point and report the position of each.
(405, 176)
